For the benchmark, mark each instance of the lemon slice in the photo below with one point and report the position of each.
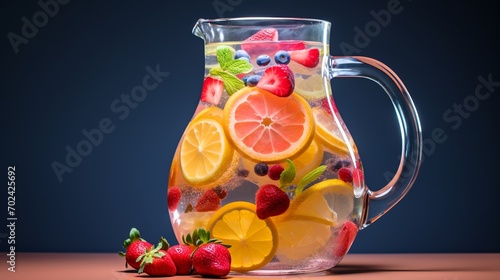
(205, 153)
(253, 241)
(329, 133)
(311, 88)
(306, 227)
(210, 112)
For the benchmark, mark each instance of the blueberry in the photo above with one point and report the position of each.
(263, 60)
(261, 169)
(241, 54)
(282, 57)
(253, 80)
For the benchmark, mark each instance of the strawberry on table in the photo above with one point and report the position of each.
(278, 80)
(181, 256)
(157, 262)
(308, 57)
(135, 246)
(212, 260)
(212, 90)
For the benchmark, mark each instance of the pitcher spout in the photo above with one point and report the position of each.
(200, 28)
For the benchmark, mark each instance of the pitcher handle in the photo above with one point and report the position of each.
(380, 201)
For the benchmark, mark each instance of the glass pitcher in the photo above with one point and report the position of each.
(266, 164)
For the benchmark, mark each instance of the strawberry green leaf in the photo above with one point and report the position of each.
(134, 235)
(224, 56)
(239, 66)
(164, 243)
(309, 178)
(288, 175)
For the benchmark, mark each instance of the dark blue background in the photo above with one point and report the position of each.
(66, 77)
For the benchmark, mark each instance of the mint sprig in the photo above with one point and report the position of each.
(288, 175)
(309, 178)
(229, 68)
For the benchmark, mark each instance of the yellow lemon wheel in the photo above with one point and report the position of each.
(305, 228)
(328, 133)
(205, 153)
(253, 241)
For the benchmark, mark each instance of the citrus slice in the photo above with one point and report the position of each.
(268, 128)
(307, 161)
(329, 133)
(253, 241)
(209, 112)
(305, 228)
(311, 88)
(205, 153)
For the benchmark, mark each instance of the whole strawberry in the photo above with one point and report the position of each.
(271, 201)
(181, 255)
(157, 262)
(212, 260)
(209, 201)
(135, 247)
(210, 257)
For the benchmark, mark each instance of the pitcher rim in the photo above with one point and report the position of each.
(271, 19)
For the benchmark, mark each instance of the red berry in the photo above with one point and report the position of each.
(209, 201)
(345, 238)
(222, 193)
(212, 90)
(329, 104)
(345, 174)
(357, 177)
(181, 256)
(308, 58)
(271, 201)
(275, 171)
(264, 41)
(173, 198)
(158, 263)
(134, 250)
(278, 80)
(212, 260)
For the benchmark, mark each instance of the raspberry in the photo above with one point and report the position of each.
(345, 174)
(275, 171)
(261, 169)
(341, 163)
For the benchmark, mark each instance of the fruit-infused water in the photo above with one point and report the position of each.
(266, 163)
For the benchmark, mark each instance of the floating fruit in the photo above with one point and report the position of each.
(253, 241)
(329, 133)
(267, 128)
(278, 80)
(312, 87)
(205, 154)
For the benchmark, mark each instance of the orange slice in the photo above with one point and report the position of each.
(253, 241)
(265, 127)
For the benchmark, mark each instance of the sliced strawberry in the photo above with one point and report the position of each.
(292, 45)
(328, 104)
(173, 197)
(344, 239)
(278, 79)
(212, 90)
(209, 201)
(309, 57)
(262, 42)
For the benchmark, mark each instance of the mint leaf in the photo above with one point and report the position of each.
(309, 178)
(215, 71)
(231, 83)
(239, 66)
(224, 56)
(288, 174)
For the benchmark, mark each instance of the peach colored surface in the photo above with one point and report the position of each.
(55, 266)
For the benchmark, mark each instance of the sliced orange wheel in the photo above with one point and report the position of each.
(253, 241)
(265, 127)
